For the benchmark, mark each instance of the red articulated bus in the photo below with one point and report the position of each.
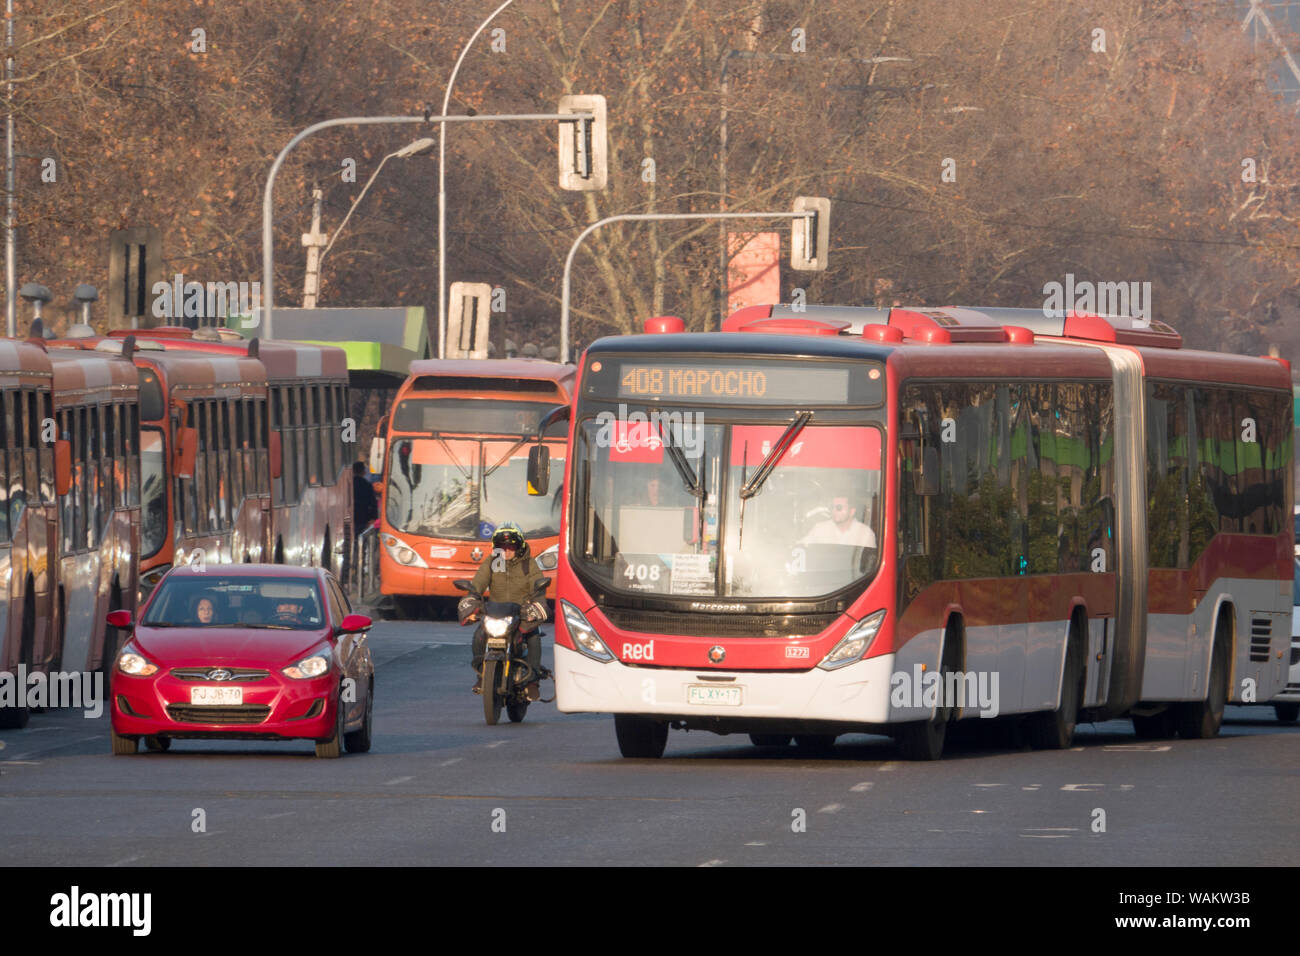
(97, 412)
(453, 469)
(270, 480)
(28, 517)
(829, 521)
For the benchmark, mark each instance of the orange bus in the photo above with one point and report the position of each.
(453, 460)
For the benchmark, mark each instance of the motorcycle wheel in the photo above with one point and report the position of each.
(491, 696)
(516, 707)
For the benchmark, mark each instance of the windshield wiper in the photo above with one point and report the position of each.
(504, 458)
(465, 472)
(752, 486)
(684, 469)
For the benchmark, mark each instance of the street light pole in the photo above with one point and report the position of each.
(417, 148)
(442, 186)
(268, 253)
(648, 217)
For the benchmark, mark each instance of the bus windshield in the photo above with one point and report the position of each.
(461, 489)
(649, 518)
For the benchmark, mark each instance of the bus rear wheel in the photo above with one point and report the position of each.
(16, 717)
(1287, 713)
(1159, 726)
(641, 737)
(1203, 718)
(1054, 729)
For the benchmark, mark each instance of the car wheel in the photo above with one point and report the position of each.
(123, 746)
(334, 746)
(156, 744)
(358, 741)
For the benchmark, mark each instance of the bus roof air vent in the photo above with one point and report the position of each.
(1120, 329)
(878, 332)
(664, 324)
(1018, 334)
(960, 325)
(796, 327)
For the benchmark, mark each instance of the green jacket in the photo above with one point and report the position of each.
(513, 585)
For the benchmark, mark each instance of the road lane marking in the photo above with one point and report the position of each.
(276, 816)
(1139, 748)
(129, 859)
(1032, 786)
(448, 763)
(713, 863)
(1089, 787)
(397, 780)
(498, 743)
(888, 766)
(990, 784)
(756, 843)
(832, 808)
(861, 787)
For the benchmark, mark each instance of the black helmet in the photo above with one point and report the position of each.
(509, 536)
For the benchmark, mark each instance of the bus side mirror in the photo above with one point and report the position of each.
(187, 449)
(62, 466)
(539, 469)
(377, 450)
(276, 456)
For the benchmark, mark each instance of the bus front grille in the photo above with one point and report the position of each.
(718, 625)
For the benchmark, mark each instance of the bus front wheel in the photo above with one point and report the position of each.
(641, 737)
(1054, 729)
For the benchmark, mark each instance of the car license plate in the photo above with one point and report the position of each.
(714, 696)
(216, 696)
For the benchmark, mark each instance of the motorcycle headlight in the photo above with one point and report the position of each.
(854, 644)
(308, 668)
(584, 635)
(549, 559)
(134, 664)
(497, 626)
(401, 553)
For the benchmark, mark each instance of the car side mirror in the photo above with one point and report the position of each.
(353, 623)
(119, 619)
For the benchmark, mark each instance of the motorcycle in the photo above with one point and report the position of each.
(506, 671)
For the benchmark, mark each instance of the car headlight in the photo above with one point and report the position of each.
(129, 662)
(854, 644)
(401, 553)
(497, 626)
(584, 635)
(308, 668)
(549, 559)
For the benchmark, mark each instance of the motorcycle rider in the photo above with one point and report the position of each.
(508, 575)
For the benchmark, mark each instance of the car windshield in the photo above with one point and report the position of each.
(779, 511)
(461, 489)
(211, 600)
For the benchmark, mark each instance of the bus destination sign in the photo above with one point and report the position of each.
(768, 384)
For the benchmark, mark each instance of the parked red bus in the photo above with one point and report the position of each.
(28, 517)
(97, 412)
(453, 468)
(884, 521)
(272, 481)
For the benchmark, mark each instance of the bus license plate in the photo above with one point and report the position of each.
(216, 696)
(714, 696)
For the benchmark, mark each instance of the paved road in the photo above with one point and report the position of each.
(441, 787)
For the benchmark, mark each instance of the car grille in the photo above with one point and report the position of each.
(718, 625)
(240, 714)
(237, 674)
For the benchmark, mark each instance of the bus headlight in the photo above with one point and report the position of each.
(401, 553)
(584, 635)
(549, 559)
(854, 644)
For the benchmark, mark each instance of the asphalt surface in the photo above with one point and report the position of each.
(441, 787)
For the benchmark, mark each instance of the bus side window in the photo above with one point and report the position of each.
(6, 451)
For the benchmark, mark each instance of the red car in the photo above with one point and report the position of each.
(249, 651)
